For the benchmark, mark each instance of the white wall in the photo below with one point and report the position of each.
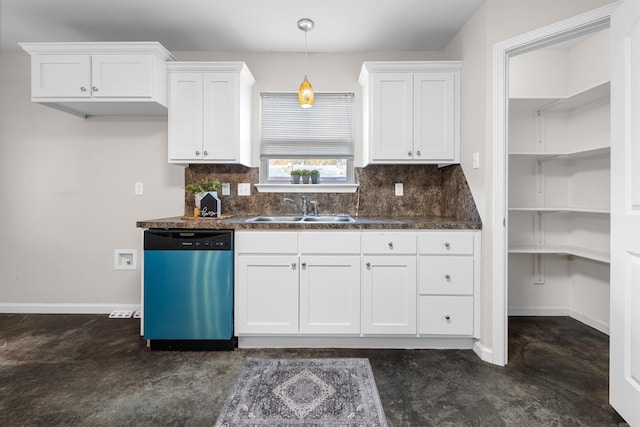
(67, 184)
(495, 21)
(68, 199)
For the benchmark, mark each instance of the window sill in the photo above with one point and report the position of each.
(307, 188)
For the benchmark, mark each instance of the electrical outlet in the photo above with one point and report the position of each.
(125, 259)
(139, 189)
(244, 189)
(399, 189)
(226, 189)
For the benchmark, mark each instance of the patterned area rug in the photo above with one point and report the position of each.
(304, 392)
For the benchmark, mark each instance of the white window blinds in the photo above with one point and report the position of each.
(322, 131)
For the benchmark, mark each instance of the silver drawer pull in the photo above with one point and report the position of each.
(293, 265)
(447, 276)
(368, 265)
(447, 317)
(206, 153)
(83, 89)
(197, 152)
(447, 245)
(303, 265)
(95, 89)
(390, 245)
(409, 153)
(418, 153)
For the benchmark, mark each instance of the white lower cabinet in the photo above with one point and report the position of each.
(330, 294)
(357, 285)
(389, 295)
(448, 275)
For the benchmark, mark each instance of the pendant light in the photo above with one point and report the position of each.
(305, 93)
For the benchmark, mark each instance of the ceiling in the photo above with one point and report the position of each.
(239, 25)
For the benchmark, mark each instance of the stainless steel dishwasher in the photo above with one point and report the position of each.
(188, 289)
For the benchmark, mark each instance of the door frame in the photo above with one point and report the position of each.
(586, 23)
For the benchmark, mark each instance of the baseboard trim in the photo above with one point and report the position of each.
(65, 308)
(561, 311)
(483, 352)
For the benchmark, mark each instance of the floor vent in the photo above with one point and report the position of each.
(121, 314)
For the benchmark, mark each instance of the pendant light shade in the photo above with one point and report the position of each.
(305, 92)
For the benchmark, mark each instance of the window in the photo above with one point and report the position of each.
(320, 137)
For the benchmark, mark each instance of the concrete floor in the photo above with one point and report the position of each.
(93, 371)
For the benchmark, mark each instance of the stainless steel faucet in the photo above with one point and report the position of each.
(302, 208)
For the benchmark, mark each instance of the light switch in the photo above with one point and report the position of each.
(226, 189)
(139, 189)
(244, 189)
(399, 189)
(476, 160)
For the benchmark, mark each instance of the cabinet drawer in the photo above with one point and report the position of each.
(439, 315)
(388, 243)
(267, 242)
(446, 275)
(330, 243)
(445, 243)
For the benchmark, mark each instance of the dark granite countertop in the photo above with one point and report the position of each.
(362, 223)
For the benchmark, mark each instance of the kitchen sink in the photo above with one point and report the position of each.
(288, 219)
(277, 218)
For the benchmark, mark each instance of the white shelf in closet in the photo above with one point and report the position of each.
(561, 210)
(567, 103)
(587, 253)
(547, 156)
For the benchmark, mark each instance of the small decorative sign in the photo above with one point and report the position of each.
(210, 205)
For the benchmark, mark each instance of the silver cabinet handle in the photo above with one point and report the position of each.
(304, 265)
(390, 245)
(447, 317)
(418, 153)
(293, 265)
(197, 152)
(95, 89)
(447, 276)
(83, 89)
(368, 266)
(409, 153)
(447, 245)
(206, 153)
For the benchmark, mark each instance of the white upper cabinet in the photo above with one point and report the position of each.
(89, 79)
(411, 112)
(210, 112)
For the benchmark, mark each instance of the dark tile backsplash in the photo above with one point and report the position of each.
(428, 191)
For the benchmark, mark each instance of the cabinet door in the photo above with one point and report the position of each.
(220, 117)
(266, 295)
(122, 76)
(434, 120)
(185, 116)
(389, 295)
(330, 294)
(55, 76)
(391, 136)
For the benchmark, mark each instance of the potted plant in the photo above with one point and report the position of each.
(315, 176)
(295, 176)
(305, 173)
(203, 187)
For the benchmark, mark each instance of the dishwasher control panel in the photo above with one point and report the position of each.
(194, 240)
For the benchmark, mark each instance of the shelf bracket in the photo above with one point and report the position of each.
(538, 269)
(538, 259)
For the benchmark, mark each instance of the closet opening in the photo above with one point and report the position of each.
(558, 181)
